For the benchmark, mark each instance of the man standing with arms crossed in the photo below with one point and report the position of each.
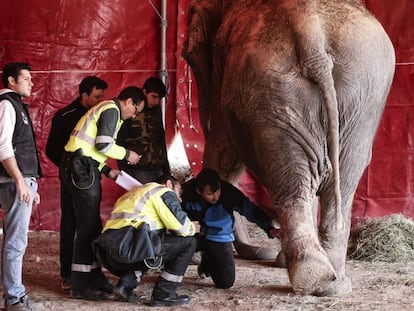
(19, 169)
(91, 92)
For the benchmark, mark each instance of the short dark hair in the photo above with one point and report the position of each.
(155, 85)
(12, 70)
(132, 92)
(88, 83)
(164, 178)
(208, 177)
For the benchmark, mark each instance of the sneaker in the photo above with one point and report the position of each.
(123, 293)
(87, 294)
(25, 304)
(66, 283)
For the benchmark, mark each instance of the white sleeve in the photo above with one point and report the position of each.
(7, 124)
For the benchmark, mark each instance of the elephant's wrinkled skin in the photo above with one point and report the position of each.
(295, 91)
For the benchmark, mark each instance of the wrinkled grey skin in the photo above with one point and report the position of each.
(294, 90)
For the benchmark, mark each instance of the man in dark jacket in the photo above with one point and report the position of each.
(145, 135)
(91, 92)
(211, 202)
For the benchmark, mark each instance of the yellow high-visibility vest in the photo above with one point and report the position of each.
(144, 204)
(84, 135)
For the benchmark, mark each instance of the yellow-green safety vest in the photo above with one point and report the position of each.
(144, 204)
(84, 135)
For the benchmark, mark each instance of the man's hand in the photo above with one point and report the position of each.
(24, 191)
(113, 174)
(133, 157)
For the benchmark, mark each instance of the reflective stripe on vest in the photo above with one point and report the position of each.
(128, 209)
(138, 206)
(84, 135)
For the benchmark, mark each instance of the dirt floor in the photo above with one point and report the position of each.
(259, 286)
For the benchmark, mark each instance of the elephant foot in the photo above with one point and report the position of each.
(339, 287)
(281, 261)
(253, 252)
(311, 276)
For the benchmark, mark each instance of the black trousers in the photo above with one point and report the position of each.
(67, 231)
(218, 261)
(176, 252)
(86, 210)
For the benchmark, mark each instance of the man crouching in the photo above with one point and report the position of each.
(148, 229)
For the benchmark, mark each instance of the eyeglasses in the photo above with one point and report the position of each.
(136, 108)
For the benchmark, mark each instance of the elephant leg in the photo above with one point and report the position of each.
(335, 243)
(281, 261)
(310, 270)
(219, 155)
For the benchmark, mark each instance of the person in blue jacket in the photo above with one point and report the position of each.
(211, 201)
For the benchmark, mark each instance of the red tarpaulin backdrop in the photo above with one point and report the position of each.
(119, 41)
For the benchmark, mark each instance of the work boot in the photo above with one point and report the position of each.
(164, 294)
(100, 282)
(87, 294)
(123, 292)
(173, 300)
(66, 283)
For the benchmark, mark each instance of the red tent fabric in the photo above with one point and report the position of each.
(387, 186)
(119, 41)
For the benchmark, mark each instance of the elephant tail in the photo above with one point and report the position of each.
(317, 65)
(331, 104)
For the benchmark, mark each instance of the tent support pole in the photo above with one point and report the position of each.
(163, 61)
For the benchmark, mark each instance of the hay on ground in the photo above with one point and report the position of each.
(383, 239)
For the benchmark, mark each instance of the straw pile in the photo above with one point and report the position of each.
(383, 239)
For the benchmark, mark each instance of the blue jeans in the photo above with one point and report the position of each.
(16, 225)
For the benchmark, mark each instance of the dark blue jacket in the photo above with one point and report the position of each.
(63, 122)
(217, 220)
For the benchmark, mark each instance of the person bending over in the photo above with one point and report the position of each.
(212, 201)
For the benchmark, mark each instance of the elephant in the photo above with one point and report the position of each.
(294, 91)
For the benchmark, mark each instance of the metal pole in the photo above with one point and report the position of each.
(163, 61)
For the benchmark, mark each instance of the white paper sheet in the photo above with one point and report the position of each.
(126, 181)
